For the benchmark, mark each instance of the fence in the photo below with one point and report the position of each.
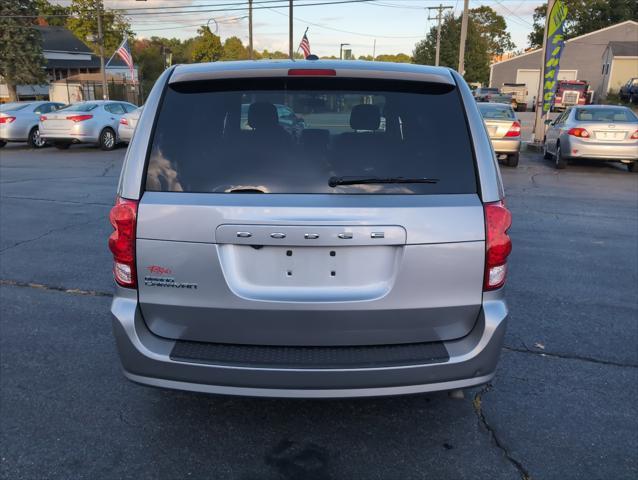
(72, 91)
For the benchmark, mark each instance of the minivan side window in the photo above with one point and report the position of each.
(234, 140)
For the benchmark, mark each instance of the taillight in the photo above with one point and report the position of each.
(498, 244)
(312, 72)
(123, 217)
(43, 118)
(634, 136)
(7, 119)
(578, 132)
(514, 131)
(79, 118)
(123, 121)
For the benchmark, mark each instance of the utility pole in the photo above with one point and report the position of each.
(464, 21)
(438, 18)
(250, 29)
(539, 125)
(374, 50)
(100, 39)
(290, 47)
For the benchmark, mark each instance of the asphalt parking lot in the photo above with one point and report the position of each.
(562, 405)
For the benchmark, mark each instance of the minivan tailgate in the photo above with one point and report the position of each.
(333, 270)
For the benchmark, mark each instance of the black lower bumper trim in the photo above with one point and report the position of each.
(259, 356)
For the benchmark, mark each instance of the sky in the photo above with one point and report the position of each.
(397, 25)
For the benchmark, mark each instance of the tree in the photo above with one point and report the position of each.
(398, 58)
(83, 24)
(207, 47)
(584, 16)
(21, 59)
(477, 48)
(491, 26)
(234, 50)
(52, 14)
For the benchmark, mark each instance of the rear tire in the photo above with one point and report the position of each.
(62, 145)
(34, 140)
(631, 166)
(107, 139)
(561, 161)
(512, 160)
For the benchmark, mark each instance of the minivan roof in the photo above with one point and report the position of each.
(343, 68)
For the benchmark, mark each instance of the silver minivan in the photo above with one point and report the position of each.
(361, 257)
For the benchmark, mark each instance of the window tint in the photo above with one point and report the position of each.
(129, 108)
(224, 136)
(45, 108)
(80, 107)
(493, 111)
(115, 108)
(608, 115)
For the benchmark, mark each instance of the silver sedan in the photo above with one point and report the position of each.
(504, 130)
(600, 132)
(19, 121)
(127, 125)
(93, 121)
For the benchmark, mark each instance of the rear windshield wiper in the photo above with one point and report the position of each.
(334, 181)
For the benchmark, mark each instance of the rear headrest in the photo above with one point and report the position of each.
(365, 117)
(262, 115)
(586, 116)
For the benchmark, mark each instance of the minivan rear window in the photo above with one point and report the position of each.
(293, 135)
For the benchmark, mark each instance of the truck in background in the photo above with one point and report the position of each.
(572, 92)
(519, 92)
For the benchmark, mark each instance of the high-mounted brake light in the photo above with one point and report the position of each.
(514, 131)
(123, 217)
(7, 119)
(634, 136)
(578, 132)
(498, 244)
(79, 118)
(312, 72)
(123, 121)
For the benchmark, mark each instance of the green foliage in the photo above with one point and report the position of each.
(491, 26)
(398, 58)
(207, 47)
(477, 48)
(84, 25)
(21, 59)
(234, 50)
(585, 16)
(49, 10)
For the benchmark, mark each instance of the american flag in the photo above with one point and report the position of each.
(124, 52)
(305, 46)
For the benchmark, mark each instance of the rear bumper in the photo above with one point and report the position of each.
(79, 133)
(146, 359)
(13, 132)
(125, 133)
(506, 146)
(600, 151)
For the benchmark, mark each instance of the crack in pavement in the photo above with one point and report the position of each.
(564, 356)
(49, 232)
(11, 197)
(70, 291)
(477, 403)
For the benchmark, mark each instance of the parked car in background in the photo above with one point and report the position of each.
(19, 121)
(504, 130)
(629, 91)
(483, 94)
(127, 125)
(347, 262)
(93, 121)
(504, 98)
(600, 132)
(570, 93)
(519, 92)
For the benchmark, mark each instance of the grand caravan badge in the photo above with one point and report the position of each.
(168, 282)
